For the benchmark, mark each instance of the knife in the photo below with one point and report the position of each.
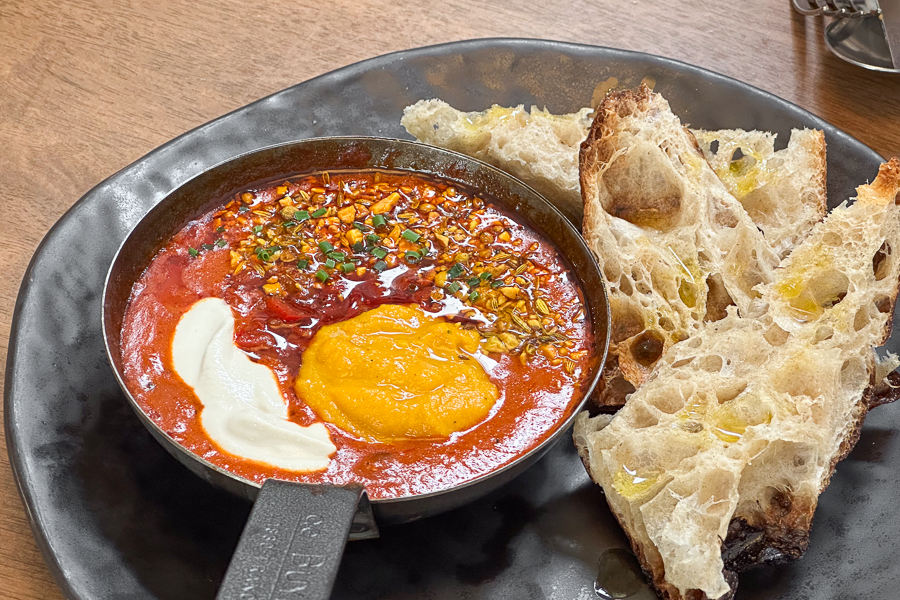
(890, 20)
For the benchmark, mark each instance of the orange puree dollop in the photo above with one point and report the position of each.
(395, 373)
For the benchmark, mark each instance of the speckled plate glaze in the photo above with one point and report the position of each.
(117, 517)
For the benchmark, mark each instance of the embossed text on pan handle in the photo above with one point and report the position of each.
(292, 544)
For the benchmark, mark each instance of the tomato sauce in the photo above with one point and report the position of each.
(293, 256)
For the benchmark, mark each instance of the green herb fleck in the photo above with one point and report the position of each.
(319, 213)
(221, 243)
(380, 266)
(455, 271)
(453, 287)
(360, 226)
(474, 282)
(257, 229)
(473, 295)
(301, 215)
(358, 247)
(321, 275)
(379, 252)
(329, 264)
(485, 276)
(496, 284)
(348, 266)
(243, 209)
(302, 264)
(193, 252)
(378, 221)
(411, 235)
(325, 246)
(413, 257)
(220, 229)
(336, 255)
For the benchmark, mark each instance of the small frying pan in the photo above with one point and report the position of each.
(292, 544)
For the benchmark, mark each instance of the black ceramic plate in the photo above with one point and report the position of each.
(117, 517)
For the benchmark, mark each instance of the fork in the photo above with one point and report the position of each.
(839, 9)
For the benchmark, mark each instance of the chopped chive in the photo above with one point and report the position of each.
(496, 284)
(411, 235)
(373, 238)
(378, 221)
(360, 226)
(348, 266)
(257, 229)
(473, 295)
(206, 246)
(380, 266)
(221, 243)
(358, 247)
(243, 209)
(485, 276)
(379, 252)
(302, 264)
(330, 263)
(193, 252)
(336, 255)
(474, 282)
(288, 224)
(325, 246)
(321, 275)
(220, 229)
(413, 257)
(455, 271)
(319, 213)
(301, 215)
(453, 287)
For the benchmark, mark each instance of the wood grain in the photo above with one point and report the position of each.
(87, 87)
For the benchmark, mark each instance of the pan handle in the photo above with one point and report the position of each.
(292, 544)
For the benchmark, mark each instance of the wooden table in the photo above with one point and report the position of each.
(87, 87)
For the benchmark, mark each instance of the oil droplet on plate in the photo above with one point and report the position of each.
(618, 575)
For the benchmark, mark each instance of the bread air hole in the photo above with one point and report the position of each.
(730, 389)
(626, 322)
(741, 163)
(717, 298)
(711, 363)
(648, 347)
(724, 216)
(640, 417)
(881, 266)
(823, 332)
(625, 286)
(862, 318)
(776, 336)
(687, 291)
(643, 188)
(823, 290)
(668, 402)
(832, 239)
(854, 374)
(884, 304)
(682, 362)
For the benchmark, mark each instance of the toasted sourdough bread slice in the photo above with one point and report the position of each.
(675, 247)
(783, 191)
(539, 148)
(717, 461)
